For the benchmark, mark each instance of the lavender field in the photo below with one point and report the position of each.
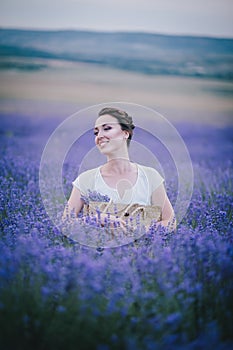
(163, 291)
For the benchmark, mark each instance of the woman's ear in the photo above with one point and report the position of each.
(126, 136)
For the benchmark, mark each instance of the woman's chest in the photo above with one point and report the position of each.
(124, 181)
(132, 189)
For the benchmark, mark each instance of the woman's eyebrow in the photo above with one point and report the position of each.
(103, 125)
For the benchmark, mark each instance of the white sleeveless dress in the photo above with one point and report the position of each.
(148, 180)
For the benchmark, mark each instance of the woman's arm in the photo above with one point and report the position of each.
(160, 198)
(74, 205)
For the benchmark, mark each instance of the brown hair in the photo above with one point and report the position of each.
(125, 121)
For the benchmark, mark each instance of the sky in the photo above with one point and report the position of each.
(178, 17)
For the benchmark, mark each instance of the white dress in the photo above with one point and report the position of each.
(148, 180)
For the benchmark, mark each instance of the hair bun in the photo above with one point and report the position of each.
(130, 121)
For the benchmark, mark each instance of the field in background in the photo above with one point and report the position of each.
(63, 88)
(55, 73)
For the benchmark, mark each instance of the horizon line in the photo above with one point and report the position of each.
(115, 31)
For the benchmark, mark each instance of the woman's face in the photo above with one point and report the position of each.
(108, 134)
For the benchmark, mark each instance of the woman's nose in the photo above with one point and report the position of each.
(100, 133)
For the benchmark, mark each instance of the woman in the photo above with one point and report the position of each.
(120, 179)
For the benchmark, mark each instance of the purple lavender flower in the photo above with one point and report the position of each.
(158, 291)
(95, 196)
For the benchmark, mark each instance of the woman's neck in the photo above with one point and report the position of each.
(118, 165)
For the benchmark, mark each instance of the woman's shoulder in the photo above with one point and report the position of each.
(86, 179)
(152, 175)
(89, 173)
(148, 170)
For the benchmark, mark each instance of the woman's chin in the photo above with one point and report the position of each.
(103, 150)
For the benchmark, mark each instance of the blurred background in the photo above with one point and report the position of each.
(59, 56)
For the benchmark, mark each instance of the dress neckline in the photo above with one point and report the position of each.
(113, 188)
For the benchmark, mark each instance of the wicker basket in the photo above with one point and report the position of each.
(135, 213)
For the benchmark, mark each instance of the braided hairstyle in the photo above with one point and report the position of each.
(125, 121)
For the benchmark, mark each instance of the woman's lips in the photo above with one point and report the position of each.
(102, 143)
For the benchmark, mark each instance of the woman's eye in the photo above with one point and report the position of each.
(106, 128)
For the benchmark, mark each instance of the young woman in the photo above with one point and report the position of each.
(120, 179)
